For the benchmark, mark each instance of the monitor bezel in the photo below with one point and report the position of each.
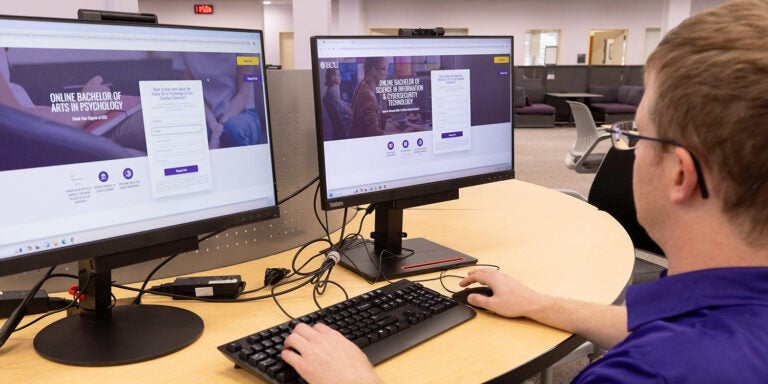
(412, 191)
(157, 236)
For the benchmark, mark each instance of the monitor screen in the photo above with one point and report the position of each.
(410, 120)
(122, 137)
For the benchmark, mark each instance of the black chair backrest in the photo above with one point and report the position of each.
(611, 191)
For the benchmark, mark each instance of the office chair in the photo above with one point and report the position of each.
(581, 157)
(611, 191)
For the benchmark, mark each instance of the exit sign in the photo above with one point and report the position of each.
(204, 9)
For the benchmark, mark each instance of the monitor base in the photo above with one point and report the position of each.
(132, 333)
(427, 257)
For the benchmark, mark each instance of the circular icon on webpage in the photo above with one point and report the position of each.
(420, 142)
(391, 145)
(103, 176)
(406, 144)
(128, 173)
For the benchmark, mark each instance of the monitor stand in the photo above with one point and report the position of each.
(106, 335)
(391, 257)
(128, 334)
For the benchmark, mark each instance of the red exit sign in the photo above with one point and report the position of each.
(204, 9)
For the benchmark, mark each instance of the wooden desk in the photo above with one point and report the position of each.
(553, 242)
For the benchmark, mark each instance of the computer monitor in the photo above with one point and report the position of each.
(427, 116)
(123, 143)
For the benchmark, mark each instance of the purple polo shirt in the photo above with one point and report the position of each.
(707, 326)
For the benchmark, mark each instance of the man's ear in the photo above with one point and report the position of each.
(686, 180)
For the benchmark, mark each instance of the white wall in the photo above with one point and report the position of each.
(247, 14)
(277, 18)
(484, 17)
(700, 5)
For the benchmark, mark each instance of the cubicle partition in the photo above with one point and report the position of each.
(608, 75)
(635, 75)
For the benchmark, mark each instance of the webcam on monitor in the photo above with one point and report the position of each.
(131, 17)
(439, 31)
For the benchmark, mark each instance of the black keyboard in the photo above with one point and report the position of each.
(382, 322)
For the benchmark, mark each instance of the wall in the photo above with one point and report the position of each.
(573, 18)
(700, 5)
(480, 16)
(247, 14)
(277, 18)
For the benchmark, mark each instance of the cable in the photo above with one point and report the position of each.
(154, 270)
(319, 277)
(300, 190)
(151, 273)
(203, 299)
(443, 275)
(65, 304)
(15, 318)
(308, 277)
(71, 304)
(317, 215)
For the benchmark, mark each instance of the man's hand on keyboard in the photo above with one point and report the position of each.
(322, 355)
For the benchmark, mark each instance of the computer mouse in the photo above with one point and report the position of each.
(461, 296)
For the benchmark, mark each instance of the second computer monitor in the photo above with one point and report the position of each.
(406, 121)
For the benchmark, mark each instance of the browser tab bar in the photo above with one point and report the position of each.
(73, 36)
(361, 47)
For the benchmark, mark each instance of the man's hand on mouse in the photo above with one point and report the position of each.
(510, 297)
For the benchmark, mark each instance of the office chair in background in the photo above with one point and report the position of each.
(581, 157)
(611, 191)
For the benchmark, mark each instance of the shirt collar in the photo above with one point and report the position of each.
(674, 295)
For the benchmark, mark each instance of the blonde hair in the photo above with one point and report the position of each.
(711, 81)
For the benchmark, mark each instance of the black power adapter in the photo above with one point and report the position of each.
(40, 303)
(209, 287)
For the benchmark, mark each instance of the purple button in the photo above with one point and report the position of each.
(251, 78)
(503, 73)
(448, 135)
(180, 170)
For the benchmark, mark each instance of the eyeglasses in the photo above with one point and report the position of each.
(624, 137)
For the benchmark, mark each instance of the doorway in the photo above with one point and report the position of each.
(286, 50)
(608, 46)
